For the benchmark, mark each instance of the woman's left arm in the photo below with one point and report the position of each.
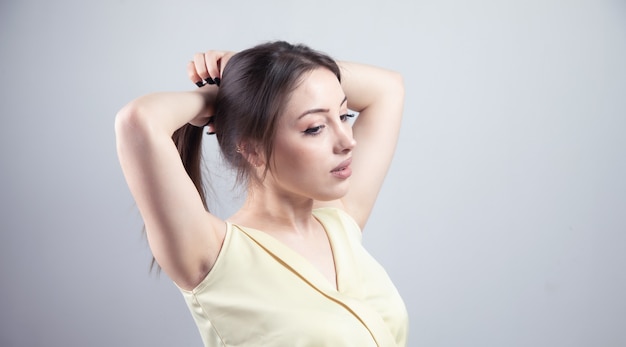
(378, 95)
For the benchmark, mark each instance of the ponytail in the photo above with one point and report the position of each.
(188, 140)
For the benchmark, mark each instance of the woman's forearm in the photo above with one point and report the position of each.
(165, 112)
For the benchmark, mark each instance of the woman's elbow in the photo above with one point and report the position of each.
(397, 83)
(129, 119)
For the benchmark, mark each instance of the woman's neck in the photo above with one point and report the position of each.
(266, 209)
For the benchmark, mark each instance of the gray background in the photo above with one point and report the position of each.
(503, 218)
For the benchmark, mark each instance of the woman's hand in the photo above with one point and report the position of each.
(208, 67)
(206, 70)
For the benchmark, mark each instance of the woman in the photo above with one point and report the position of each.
(288, 268)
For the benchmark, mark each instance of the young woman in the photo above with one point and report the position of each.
(288, 268)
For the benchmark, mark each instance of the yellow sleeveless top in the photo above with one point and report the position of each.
(262, 293)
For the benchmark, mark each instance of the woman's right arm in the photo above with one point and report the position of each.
(184, 238)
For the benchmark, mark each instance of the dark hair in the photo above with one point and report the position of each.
(255, 86)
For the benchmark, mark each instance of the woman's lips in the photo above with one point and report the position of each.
(343, 170)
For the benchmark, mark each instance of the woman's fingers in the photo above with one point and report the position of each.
(207, 67)
(201, 66)
(212, 62)
(193, 74)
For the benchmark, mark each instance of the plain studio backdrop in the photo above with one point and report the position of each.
(502, 220)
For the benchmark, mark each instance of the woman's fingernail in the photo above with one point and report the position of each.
(209, 80)
(199, 84)
(217, 81)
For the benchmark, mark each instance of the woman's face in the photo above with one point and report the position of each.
(313, 143)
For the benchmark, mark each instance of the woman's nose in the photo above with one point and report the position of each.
(345, 140)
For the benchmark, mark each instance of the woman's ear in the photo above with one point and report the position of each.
(252, 153)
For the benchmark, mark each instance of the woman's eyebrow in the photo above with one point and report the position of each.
(322, 110)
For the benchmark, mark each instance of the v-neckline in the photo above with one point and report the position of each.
(348, 289)
(296, 261)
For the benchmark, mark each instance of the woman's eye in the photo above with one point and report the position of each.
(344, 117)
(314, 130)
